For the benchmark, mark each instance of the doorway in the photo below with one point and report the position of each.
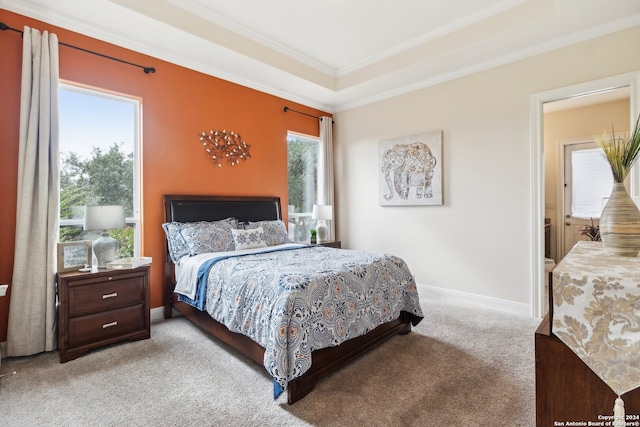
(544, 199)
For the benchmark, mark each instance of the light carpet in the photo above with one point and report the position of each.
(462, 366)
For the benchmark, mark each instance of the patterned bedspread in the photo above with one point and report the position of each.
(295, 301)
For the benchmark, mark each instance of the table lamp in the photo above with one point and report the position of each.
(104, 218)
(322, 213)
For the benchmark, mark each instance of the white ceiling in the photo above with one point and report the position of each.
(336, 54)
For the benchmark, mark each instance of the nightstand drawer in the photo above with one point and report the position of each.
(103, 296)
(96, 327)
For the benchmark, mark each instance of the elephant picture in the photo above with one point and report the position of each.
(410, 170)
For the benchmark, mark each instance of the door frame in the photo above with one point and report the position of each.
(537, 202)
(560, 190)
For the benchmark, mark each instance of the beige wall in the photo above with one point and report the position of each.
(574, 124)
(479, 241)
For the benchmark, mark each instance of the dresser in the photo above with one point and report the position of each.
(100, 308)
(586, 344)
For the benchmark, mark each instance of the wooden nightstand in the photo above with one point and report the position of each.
(100, 308)
(332, 244)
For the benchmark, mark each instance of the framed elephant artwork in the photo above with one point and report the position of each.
(410, 171)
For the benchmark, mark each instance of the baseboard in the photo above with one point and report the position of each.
(449, 295)
(157, 314)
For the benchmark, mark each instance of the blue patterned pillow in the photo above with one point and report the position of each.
(177, 244)
(247, 239)
(225, 223)
(206, 237)
(275, 232)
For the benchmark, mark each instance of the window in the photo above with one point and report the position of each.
(302, 154)
(591, 183)
(99, 162)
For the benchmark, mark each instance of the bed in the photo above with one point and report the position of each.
(303, 359)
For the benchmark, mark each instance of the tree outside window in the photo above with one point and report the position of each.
(98, 146)
(302, 154)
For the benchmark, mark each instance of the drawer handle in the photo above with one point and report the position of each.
(107, 296)
(108, 325)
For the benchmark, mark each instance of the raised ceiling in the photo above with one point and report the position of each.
(336, 54)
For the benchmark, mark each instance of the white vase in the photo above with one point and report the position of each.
(620, 223)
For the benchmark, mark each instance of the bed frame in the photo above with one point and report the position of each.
(183, 208)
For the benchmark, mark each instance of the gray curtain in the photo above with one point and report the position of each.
(32, 310)
(325, 163)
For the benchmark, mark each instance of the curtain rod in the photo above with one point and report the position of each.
(147, 70)
(304, 114)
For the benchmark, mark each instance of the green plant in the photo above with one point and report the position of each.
(592, 231)
(124, 236)
(621, 153)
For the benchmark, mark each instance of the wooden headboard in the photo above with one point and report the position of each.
(185, 208)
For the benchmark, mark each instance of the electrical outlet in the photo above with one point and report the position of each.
(3, 290)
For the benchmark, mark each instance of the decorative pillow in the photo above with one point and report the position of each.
(205, 237)
(178, 245)
(247, 239)
(275, 232)
(222, 223)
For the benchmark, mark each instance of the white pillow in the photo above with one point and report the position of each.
(248, 239)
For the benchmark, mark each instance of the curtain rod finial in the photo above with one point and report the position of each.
(3, 26)
(286, 109)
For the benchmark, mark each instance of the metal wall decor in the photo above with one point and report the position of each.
(222, 145)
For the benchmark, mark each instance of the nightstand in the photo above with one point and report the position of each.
(100, 308)
(332, 244)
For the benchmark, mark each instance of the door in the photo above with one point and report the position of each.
(587, 185)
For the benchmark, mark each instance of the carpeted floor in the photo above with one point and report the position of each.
(462, 366)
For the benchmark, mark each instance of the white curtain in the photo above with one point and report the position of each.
(32, 310)
(325, 163)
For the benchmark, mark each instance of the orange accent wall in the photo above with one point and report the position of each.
(177, 104)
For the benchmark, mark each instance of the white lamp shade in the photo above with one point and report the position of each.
(103, 217)
(322, 212)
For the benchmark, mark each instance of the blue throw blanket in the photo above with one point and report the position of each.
(203, 272)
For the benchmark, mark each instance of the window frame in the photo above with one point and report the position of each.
(302, 221)
(135, 219)
(320, 172)
(577, 165)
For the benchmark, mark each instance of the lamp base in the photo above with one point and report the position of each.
(322, 232)
(105, 249)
